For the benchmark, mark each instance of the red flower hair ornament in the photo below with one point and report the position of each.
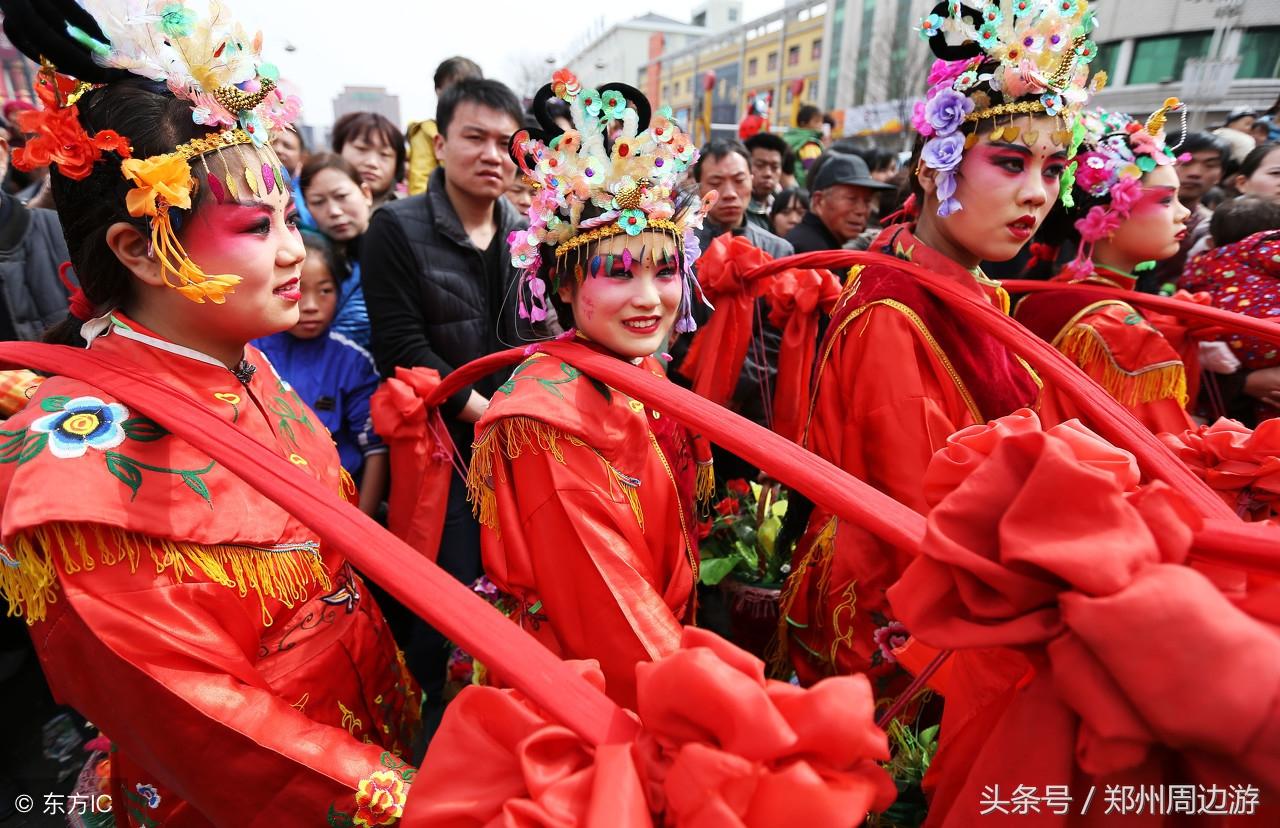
(57, 135)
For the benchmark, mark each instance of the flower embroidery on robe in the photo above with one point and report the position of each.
(81, 424)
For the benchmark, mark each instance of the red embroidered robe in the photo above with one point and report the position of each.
(241, 671)
(586, 500)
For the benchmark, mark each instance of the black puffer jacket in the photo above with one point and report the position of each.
(431, 295)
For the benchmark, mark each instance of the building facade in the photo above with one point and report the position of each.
(367, 99)
(619, 52)
(781, 56)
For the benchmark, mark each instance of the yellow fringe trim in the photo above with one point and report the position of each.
(512, 436)
(1163, 381)
(287, 574)
(705, 489)
(819, 554)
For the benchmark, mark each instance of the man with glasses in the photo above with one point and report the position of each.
(767, 153)
(839, 204)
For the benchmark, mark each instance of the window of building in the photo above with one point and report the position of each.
(1108, 53)
(666, 91)
(1260, 53)
(700, 19)
(816, 52)
(771, 63)
(793, 56)
(688, 85)
(864, 52)
(790, 95)
(1160, 59)
(733, 15)
(753, 65)
(813, 90)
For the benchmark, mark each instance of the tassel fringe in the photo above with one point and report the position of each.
(512, 436)
(705, 489)
(1162, 381)
(192, 282)
(28, 567)
(819, 555)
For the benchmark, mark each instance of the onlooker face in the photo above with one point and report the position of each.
(1264, 182)
(843, 208)
(288, 147)
(787, 218)
(1199, 175)
(375, 160)
(319, 300)
(519, 193)
(730, 176)
(340, 206)
(474, 153)
(766, 172)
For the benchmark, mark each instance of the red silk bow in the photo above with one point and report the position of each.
(420, 449)
(720, 746)
(1242, 465)
(1140, 667)
(796, 298)
(718, 350)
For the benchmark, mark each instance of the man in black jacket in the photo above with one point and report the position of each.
(839, 203)
(440, 289)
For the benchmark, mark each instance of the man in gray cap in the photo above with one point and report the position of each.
(839, 202)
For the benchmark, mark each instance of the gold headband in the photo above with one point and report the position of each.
(1020, 108)
(609, 230)
(213, 142)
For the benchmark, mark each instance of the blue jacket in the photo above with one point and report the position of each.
(336, 378)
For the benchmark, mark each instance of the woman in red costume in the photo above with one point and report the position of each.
(897, 374)
(1127, 211)
(236, 663)
(587, 495)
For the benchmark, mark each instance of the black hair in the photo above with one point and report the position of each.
(1239, 218)
(807, 113)
(451, 70)
(317, 242)
(1204, 141)
(718, 148)
(484, 92)
(767, 141)
(357, 125)
(786, 199)
(1254, 159)
(315, 164)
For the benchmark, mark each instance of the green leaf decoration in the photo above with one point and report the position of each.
(143, 430)
(125, 470)
(11, 446)
(196, 485)
(714, 570)
(54, 404)
(1146, 163)
(33, 445)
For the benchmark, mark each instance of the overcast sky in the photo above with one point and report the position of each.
(397, 43)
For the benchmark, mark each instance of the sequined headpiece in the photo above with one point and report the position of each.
(1115, 153)
(999, 60)
(619, 166)
(204, 57)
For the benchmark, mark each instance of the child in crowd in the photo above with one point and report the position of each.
(332, 374)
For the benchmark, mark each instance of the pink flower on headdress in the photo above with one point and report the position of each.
(565, 84)
(1097, 224)
(1124, 194)
(946, 70)
(569, 142)
(662, 129)
(1144, 143)
(919, 121)
(1094, 173)
(1023, 79)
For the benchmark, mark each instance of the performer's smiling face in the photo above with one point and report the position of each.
(1006, 188)
(256, 239)
(627, 303)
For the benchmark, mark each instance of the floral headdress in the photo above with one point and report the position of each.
(207, 59)
(631, 182)
(996, 60)
(1116, 152)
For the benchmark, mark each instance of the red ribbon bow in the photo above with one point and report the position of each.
(796, 298)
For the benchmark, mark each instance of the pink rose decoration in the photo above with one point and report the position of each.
(919, 121)
(946, 70)
(1098, 223)
(1124, 194)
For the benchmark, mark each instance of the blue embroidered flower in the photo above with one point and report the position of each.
(1052, 104)
(83, 423)
(930, 26)
(1087, 51)
(965, 80)
(1021, 8)
(149, 795)
(1067, 8)
(992, 14)
(633, 221)
(988, 35)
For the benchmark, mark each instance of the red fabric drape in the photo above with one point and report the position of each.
(1143, 671)
(718, 350)
(420, 447)
(795, 299)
